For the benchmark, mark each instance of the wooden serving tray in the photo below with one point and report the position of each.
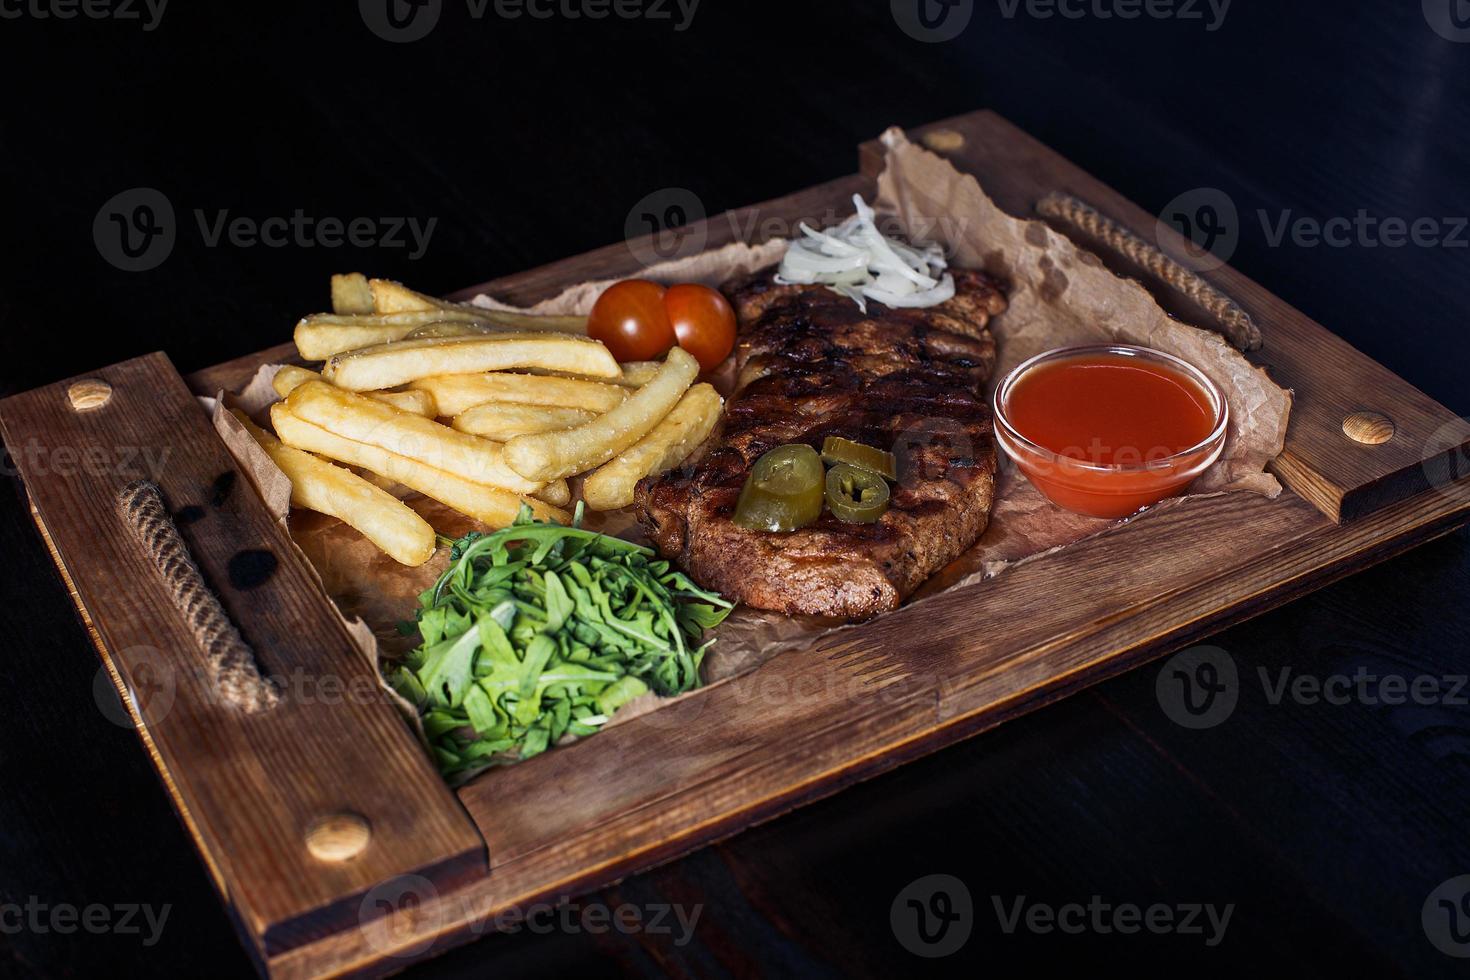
(336, 846)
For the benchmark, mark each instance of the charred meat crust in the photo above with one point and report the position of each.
(811, 364)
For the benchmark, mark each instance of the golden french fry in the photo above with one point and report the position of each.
(414, 402)
(610, 486)
(366, 420)
(468, 328)
(455, 394)
(351, 294)
(501, 420)
(489, 505)
(394, 297)
(550, 455)
(557, 493)
(453, 328)
(636, 374)
(496, 322)
(389, 365)
(290, 377)
(328, 489)
(321, 335)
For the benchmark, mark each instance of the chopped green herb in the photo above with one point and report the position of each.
(540, 630)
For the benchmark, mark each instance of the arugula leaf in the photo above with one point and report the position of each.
(539, 631)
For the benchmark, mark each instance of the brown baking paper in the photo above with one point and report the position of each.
(1059, 295)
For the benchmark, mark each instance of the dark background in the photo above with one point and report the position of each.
(530, 140)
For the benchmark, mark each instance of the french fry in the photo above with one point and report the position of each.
(513, 323)
(389, 365)
(557, 493)
(610, 486)
(321, 335)
(394, 297)
(489, 505)
(290, 377)
(329, 489)
(366, 420)
(413, 402)
(501, 421)
(452, 328)
(552, 455)
(351, 294)
(636, 374)
(455, 394)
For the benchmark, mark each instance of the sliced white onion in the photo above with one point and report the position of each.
(856, 260)
(799, 257)
(927, 297)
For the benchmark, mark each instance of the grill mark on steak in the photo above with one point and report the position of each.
(811, 364)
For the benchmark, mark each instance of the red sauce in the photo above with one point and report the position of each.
(1110, 409)
(1119, 424)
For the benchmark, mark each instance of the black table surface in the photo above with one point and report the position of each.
(1322, 825)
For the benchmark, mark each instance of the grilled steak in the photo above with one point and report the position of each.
(811, 364)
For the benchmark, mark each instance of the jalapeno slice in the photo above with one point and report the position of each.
(784, 491)
(856, 495)
(836, 449)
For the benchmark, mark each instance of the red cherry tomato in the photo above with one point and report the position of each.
(629, 317)
(703, 321)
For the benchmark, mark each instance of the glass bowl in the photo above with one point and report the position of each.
(1110, 490)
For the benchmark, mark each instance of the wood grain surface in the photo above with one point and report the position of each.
(250, 787)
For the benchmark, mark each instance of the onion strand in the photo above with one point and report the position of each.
(856, 260)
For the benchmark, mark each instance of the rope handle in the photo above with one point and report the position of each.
(1235, 323)
(233, 668)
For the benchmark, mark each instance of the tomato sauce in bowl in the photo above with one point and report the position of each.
(1108, 430)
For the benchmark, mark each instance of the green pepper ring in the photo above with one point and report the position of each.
(784, 491)
(856, 495)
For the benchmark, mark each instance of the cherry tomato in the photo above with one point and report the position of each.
(703, 321)
(629, 317)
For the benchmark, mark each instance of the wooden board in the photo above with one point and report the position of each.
(801, 725)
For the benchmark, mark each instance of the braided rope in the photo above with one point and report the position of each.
(1237, 325)
(235, 674)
